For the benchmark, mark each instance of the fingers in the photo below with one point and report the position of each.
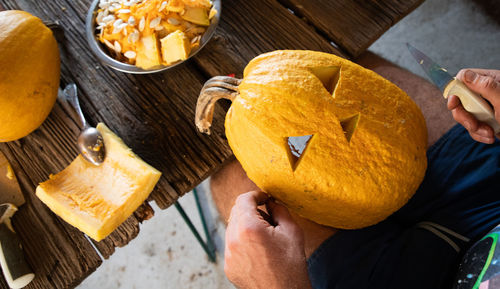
(251, 199)
(462, 116)
(477, 130)
(489, 72)
(281, 217)
(485, 84)
(245, 212)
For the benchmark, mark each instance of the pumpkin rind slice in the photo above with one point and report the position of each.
(97, 199)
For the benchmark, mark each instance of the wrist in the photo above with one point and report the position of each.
(295, 279)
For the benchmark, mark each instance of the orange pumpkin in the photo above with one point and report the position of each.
(336, 143)
(29, 58)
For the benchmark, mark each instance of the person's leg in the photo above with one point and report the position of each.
(231, 180)
(426, 95)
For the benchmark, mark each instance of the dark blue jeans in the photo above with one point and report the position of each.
(421, 245)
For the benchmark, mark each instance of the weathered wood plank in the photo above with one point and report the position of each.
(353, 25)
(249, 28)
(152, 113)
(58, 253)
(148, 112)
(126, 232)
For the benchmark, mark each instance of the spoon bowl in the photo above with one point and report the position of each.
(90, 141)
(91, 145)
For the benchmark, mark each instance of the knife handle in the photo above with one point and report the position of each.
(15, 269)
(473, 103)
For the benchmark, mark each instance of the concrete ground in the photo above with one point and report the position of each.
(455, 33)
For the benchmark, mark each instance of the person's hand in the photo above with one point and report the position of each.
(264, 251)
(486, 83)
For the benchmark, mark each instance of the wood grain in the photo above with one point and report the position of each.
(249, 28)
(58, 253)
(353, 25)
(152, 113)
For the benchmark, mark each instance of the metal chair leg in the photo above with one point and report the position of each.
(208, 246)
(208, 236)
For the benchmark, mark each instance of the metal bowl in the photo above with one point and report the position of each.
(101, 52)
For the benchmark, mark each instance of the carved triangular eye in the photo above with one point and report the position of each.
(349, 125)
(297, 146)
(328, 75)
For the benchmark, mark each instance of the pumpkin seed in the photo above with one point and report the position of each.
(117, 23)
(124, 31)
(153, 23)
(109, 18)
(124, 11)
(196, 39)
(104, 5)
(142, 24)
(119, 27)
(162, 6)
(173, 21)
(117, 47)
(109, 44)
(130, 54)
(131, 21)
(99, 17)
(133, 37)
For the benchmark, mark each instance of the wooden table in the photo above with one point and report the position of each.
(154, 113)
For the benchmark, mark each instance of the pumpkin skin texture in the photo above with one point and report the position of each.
(29, 78)
(367, 154)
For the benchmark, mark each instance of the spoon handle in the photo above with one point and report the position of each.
(70, 91)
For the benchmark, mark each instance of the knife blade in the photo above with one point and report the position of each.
(449, 85)
(16, 270)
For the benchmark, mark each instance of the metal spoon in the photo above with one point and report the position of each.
(90, 141)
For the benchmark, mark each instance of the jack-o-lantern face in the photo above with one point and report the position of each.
(336, 143)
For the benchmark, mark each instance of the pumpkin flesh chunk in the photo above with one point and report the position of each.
(97, 199)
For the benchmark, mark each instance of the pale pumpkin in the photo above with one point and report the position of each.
(97, 199)
(363, 140)
(29, 61)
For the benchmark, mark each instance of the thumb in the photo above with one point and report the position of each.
(280, 215)
(485, 85)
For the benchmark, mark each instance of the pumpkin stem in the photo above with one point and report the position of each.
(214, 89)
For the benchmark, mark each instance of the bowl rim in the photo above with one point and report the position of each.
(106, 59)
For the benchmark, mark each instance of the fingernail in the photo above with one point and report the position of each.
(483, 132)
(487, 140)
(469, 76)
(467, 125)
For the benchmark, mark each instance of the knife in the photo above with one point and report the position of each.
(15, 268)
(449, 85)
